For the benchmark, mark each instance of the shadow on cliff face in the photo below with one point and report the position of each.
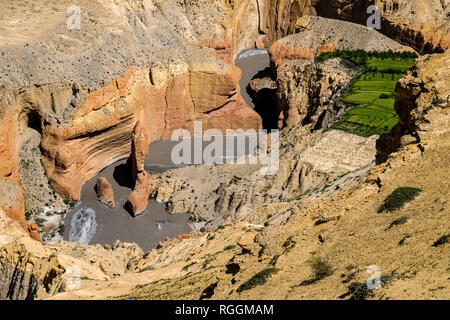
(258, 87)
(34, 121)
(262, 89)
(123, 176)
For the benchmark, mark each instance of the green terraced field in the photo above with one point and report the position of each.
(386, 64)
(372, 97)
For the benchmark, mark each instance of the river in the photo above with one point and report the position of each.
(91, 222)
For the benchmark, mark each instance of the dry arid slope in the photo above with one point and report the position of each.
(344, 230)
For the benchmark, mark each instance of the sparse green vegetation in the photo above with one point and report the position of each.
(372, 94)
(397, 222)
(360, 57)
(258, 279)
(320, 269)
(442, 240)
(399, 198)
(39, 221)
(360, 291)
(146, 269)
(28, 215)
(230, 247)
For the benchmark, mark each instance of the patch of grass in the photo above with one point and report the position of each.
(442, 240)
(289, 243)
(397, 222)
(230, 247)
(360, 291)
(39, 221)
(28, 215)
(145, 269)
(320, 269)
(61, 230)
(399, 198)
(303, 194)
(258, 279)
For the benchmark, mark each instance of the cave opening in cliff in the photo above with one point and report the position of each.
(258, 85)
(262, 89)
(34, 121)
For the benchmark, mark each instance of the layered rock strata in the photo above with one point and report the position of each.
(86, 99)
(138, 198)
(422, 25)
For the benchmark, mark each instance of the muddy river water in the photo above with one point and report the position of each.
(91, 222)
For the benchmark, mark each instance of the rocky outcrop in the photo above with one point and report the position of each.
(277, 18)
(11, 194)
(105, 192)
(309, 163)
(33, 231)
(316, 35)
(88, 95)
(419, 91)
(420, 24)
(31, 270)
(308, 92)
(138, 198)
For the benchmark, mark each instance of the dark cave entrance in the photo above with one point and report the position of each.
(263, 89)
(34, 121)
(258, 85)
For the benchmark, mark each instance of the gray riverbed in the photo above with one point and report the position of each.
(91, 222)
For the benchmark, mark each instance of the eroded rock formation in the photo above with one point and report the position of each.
(105, 192)
(420, 24)
(308, 92)
(30, 270)
(138, 198)
(85, 100)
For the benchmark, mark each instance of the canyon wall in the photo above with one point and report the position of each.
(100, 133)
(163, 63)
(308, 92)
(84, 90)
(421, 24)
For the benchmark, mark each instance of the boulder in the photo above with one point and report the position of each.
(105, 192)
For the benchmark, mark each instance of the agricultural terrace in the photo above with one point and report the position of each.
(371, 94)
